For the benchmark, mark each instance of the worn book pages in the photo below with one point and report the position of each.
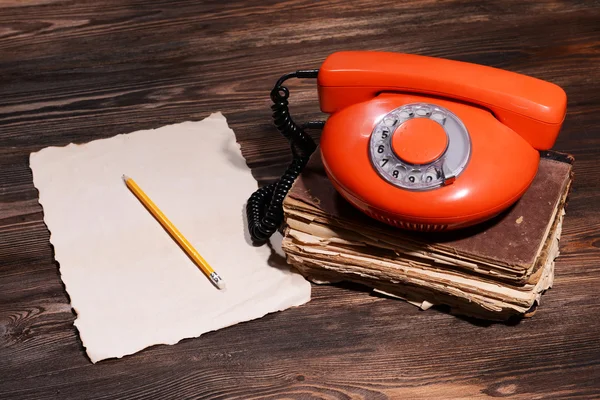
(128, 281)
(332, 255)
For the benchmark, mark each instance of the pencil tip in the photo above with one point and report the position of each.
(125, 178)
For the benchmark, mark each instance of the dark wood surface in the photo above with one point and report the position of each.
(74, 71)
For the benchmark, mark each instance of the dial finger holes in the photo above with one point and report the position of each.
(414, 176)
(430, 176)
(398, 172)
(385, 163)
(422, 111)
(439, 117)
(390, 121)
(401, 143)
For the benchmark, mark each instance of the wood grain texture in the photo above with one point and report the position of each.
(74, 71)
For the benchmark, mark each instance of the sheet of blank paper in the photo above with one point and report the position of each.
(130, 284)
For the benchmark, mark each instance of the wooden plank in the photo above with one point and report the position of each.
(78, 71)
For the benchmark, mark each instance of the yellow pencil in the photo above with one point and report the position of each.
(174, 232)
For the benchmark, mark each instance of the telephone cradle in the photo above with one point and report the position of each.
(417, 142)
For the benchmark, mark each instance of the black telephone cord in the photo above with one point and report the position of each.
(264, 208)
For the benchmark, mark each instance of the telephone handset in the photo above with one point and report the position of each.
(417, 142)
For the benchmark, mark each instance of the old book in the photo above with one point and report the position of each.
(494, 270)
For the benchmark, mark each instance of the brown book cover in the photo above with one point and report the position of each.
(516, 249)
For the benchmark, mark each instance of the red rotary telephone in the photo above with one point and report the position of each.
(417, 142)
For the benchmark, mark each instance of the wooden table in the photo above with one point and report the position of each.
(74, 71)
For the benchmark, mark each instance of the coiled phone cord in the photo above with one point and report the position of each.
(264, 208)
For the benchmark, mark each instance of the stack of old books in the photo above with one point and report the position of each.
(494, 271)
